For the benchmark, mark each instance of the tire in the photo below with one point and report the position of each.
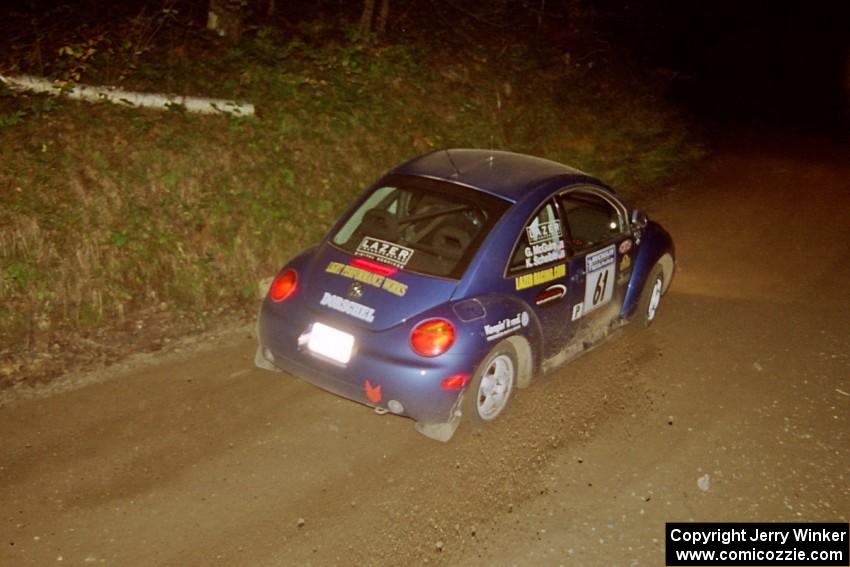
(490, 389)
(650, 297)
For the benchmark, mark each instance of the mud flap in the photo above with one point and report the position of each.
(441, 430)
(261, 361)
(438, 431)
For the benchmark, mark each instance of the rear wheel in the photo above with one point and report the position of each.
(488, 393)
(650, 298)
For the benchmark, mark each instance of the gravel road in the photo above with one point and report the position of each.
(734, 406)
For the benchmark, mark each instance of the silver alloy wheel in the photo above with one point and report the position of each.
(654, 298)
(495, 387)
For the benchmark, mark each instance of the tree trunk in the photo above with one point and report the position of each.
(366, 18)
(225, 18)
(382, 16)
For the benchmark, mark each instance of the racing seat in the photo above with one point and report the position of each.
(451, 242)
(380, 224)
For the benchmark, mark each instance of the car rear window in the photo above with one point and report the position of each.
(423, 225)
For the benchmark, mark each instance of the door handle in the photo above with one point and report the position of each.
(552, 293)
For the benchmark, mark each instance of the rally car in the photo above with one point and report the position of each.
(458, 277)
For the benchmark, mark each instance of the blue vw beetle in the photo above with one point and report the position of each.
(455, 279)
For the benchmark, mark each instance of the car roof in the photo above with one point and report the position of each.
(505, 174)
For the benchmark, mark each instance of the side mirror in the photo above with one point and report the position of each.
(639, 219)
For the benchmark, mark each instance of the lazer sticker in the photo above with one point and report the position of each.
(543, 276)
(348, 307)
(578, 310)
(543, 232)
(599, 281)
(361, 275)
(545, 253)
(625, 246)
(506, 326)
(387, 252)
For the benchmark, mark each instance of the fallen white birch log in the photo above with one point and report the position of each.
(112, 94)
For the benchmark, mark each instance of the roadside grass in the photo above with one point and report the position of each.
(113, 217)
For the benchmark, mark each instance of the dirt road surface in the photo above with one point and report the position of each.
(197, 458)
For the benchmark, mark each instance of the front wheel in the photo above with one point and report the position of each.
(650, 298)
(488, 393)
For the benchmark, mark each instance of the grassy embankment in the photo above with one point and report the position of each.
(117, 221)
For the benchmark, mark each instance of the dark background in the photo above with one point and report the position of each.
(771, 63)
(756, 63)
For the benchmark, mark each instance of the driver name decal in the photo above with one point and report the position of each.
(383, 251)
(544, 253)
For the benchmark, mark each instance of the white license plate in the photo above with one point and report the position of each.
(331, 343)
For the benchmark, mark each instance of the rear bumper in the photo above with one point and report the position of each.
(384, 370)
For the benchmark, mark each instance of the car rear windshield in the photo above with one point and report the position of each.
(422, 225)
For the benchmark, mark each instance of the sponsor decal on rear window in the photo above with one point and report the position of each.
(348, 307)
(541, 277)
(387, 252)
(359, 274)
(543, 232)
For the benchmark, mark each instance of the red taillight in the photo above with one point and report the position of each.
(283, 285)
(433, 337)
(455, 382)
(374, 267)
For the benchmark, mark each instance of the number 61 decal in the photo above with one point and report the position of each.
(599, 281)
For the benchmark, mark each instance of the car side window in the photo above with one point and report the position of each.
(591, 220)
(541, 242)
